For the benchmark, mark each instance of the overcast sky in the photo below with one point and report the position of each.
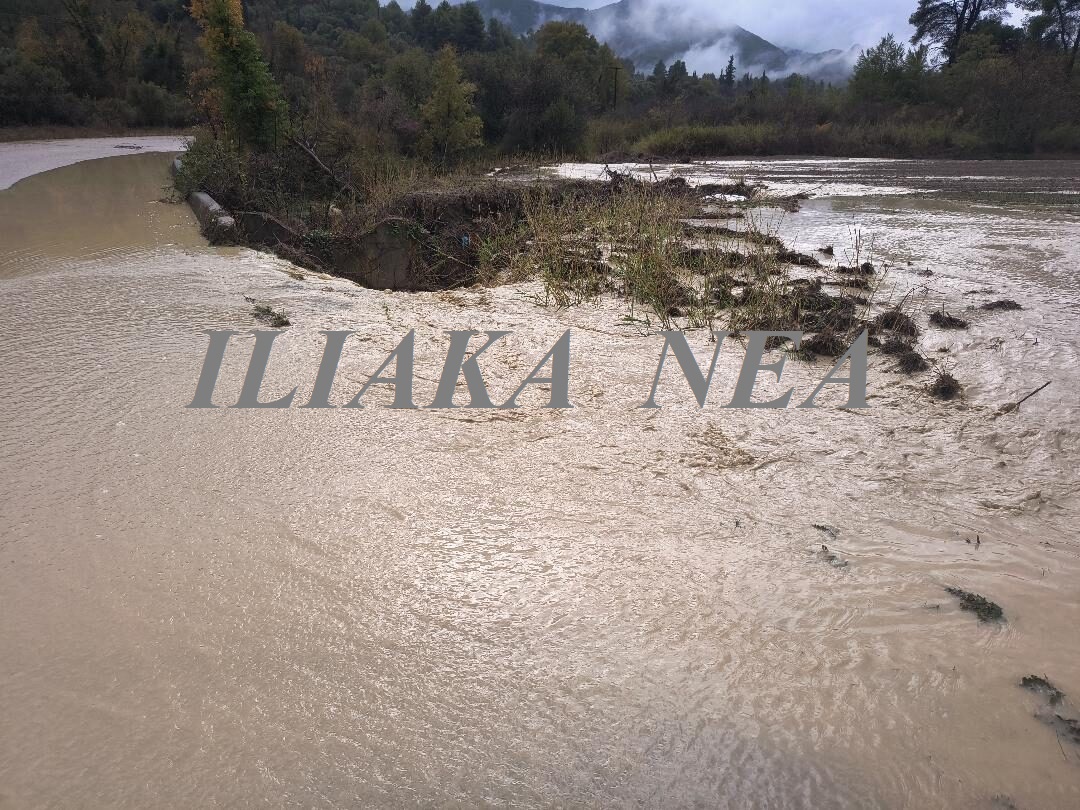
(811, 25)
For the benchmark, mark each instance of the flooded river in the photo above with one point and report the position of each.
(599, 607)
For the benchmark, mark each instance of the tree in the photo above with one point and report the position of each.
(90, 63)
(288, 52)
(472, 32)
(444, 24)
(395, 20)
(878, 72)
(251, 101)
(420, 17)
(499, 36)
(451, 126)
(409, 73)
(31, 93)
(586, 66)
(162, 61)
(945, 22)
(30, 41)
(1057, 21)
(729, 72)
(677, 75)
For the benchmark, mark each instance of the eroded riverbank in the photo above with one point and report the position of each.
(599, 606)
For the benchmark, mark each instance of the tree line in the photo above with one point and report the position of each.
(442, 84)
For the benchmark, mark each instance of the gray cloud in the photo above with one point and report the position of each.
(809, 25)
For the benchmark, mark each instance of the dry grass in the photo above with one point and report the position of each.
(635, 244)
(271, 317)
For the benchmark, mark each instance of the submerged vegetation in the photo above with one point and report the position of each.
(945, 320)
(270, 316)
(1042, 686)
(1055, 711)
(982, 607)
(945, 386)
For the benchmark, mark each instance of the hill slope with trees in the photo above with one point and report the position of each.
(346, 75)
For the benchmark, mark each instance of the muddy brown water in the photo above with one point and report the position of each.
(600, 607)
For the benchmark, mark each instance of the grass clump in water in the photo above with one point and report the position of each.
(944, 320)
(908, 360)
(982, 607)
(1042, 686)
(1005, 305)
(894, 320)
(894, 346)
(911, 362)
(271, 317)
(945, 387)
(633, 241)
(826, 344)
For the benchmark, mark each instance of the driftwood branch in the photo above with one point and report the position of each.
(1033, 393)
(1013, 406)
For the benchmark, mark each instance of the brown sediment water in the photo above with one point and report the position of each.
(606, 606)
(19, 160)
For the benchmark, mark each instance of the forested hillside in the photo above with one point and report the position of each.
(651, 31)
(444, 84)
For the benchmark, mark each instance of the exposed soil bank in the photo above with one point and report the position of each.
(428, 240)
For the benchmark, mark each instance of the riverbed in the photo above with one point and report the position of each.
(605, 606)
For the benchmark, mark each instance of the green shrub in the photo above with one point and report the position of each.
(153, 105)
(1064, 138)
(212, 165)
(705, 141)
(31, 93)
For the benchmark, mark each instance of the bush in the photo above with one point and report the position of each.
(212, 165)
(703, 141)
(31, 93)
(613, 134)
(153, 105)
(1064, 138)
(887, 139)
(111, 112)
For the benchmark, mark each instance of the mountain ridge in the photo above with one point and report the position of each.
(651, 32)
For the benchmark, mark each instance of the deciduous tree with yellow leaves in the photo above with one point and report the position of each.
(252, 103)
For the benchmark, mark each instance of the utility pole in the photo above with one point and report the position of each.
(615, 85)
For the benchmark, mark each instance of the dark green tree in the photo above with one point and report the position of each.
(251, 102)
(471, 29)
(677, 77)
(944, 23)
(451, 126)
(879, 72)
(1058, 22)
(420, 17)
(444, 25)
(395, 20)
(729, 72)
